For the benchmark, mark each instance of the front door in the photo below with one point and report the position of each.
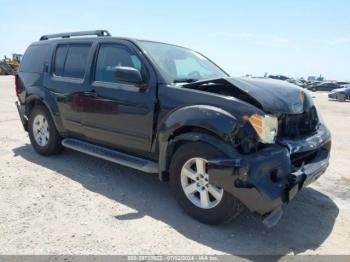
(120, 114)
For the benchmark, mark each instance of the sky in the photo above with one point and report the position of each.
(296, 38)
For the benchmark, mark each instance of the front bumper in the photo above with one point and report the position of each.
(265, 180)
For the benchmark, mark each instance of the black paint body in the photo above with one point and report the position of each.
(152, 120)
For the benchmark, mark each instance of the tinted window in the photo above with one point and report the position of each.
(111, 56)
(76, 61)
(70, 60)
(33, 60)
(60, 58)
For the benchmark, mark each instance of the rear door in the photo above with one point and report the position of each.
(67, 81)
(120, 114)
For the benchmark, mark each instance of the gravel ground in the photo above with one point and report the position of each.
(76, 204)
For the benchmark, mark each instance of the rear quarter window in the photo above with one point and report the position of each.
(34, 58)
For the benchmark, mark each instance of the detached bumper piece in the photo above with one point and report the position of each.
(265, 180)
(22, 115)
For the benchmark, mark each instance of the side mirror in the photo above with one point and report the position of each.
(127, 75)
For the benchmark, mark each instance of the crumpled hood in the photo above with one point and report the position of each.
(275, 96)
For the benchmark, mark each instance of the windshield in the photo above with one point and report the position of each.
(179, 64)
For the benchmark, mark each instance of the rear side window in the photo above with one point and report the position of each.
(60, 58)
(70, 60)
(33, 60)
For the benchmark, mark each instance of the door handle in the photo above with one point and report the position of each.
(91, 94)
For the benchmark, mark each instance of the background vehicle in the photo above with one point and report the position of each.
(278, 77)
(6, 69)
(299, 82)
(325, 86)
(222, 142)
(10, 66)
(343, 83)
(340, 94)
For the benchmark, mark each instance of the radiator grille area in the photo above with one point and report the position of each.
(298, 125)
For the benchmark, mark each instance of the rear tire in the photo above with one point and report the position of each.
(42, 131)
(219, 206)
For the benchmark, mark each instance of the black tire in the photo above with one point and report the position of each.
(228, 208)
(341, 97)
(53, 145)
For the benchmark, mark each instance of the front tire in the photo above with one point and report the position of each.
(42, 131)
(341, 97)
(190, 183)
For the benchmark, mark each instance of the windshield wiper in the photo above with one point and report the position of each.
(185, 80)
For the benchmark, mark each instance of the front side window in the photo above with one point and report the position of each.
(111, 56)
(70, 60)
(180, 64)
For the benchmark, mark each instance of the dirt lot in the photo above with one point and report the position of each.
(76, 204)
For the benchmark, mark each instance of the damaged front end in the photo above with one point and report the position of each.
(265, 180)
(276, 154)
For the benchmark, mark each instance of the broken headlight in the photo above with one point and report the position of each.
(266, 126)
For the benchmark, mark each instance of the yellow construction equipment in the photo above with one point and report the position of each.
(10, 66)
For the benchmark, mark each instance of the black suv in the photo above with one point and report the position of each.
(223, 142)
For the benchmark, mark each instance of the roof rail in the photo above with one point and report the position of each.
(81, 33)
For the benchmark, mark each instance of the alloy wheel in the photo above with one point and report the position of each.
(41, 130)
(196, 186)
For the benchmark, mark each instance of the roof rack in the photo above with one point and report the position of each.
(81, 33)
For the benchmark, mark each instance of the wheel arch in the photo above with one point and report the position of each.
(209, 124)
(49, 103)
